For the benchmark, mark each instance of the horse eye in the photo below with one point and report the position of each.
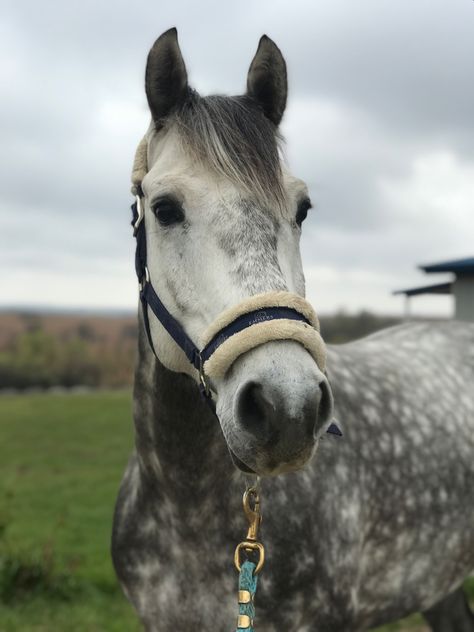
(302, 211)
(168, 211)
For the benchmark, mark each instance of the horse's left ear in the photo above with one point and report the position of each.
(166, 80)
(266, 82)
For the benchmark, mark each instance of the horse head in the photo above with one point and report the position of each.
(223, 218)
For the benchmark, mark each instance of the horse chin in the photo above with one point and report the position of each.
(275, 469)
(240, 464)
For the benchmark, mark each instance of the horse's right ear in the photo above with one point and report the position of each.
(266, 82)
(166, 80)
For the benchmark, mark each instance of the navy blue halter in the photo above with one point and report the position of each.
(150, 299)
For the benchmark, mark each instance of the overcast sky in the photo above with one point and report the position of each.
(380, 123)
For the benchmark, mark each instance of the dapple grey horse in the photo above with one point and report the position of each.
(380, 523)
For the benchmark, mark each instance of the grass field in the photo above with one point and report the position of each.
(62, 457)
(62, 460)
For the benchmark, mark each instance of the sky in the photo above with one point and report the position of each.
(380, 124)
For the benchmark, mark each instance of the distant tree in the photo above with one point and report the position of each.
(31, 321)
(86, 332)
(129, 331)
(76, 365)
(30, 361)
(39, 359)
(342, 327)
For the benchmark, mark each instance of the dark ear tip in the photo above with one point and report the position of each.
(166, 81)
(266, 80)
(171, 33)
(267, 41)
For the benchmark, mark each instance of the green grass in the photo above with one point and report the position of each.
(62, 458)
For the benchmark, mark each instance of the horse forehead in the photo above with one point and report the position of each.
(174, 170)
(170, 166)
(221, 198)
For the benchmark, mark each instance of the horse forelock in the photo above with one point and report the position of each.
(232, 137)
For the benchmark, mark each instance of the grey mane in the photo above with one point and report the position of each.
(233, 137)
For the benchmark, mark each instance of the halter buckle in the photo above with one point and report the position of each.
(203, 378)
(141, 215)
(145, 279)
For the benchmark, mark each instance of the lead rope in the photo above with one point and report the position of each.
(248, 570)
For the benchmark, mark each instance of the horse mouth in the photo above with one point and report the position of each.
(240, 464)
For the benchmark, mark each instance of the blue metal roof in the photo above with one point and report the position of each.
(458, 266)
(439, 288)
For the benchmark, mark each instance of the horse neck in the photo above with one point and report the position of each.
(179, 442)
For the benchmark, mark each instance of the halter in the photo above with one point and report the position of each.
(265, 317)
(272, 316)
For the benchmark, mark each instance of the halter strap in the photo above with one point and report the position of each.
(264, 314)
(150, 298)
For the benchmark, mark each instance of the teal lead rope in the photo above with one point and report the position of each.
(247, 589)
(248, 570)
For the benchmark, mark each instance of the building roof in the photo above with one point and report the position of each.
(458, 266)
(439, 288)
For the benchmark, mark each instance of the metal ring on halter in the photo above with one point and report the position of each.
(250, 546)
(203, 378)
(141, 215)
(147, 279)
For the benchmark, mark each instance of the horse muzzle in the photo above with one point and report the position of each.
(274, 404)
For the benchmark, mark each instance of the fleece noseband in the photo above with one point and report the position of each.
(255, 321)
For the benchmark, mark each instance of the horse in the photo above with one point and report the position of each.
(359, 530)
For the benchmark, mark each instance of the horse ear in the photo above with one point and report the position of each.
(166, 80)
(266, 82)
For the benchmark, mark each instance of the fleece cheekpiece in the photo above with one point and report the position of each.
(140, 165)
(261, 332)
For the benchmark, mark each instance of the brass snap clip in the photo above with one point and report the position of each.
(251, 503)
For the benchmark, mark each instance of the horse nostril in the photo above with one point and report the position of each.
(292, 416)
(324, 406)
(254, 410)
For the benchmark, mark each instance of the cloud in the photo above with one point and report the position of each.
(379, 124)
